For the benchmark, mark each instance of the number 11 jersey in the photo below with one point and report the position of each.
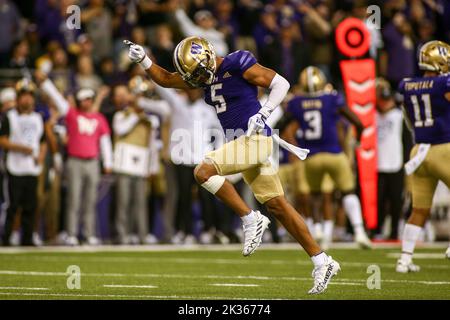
(427, 108)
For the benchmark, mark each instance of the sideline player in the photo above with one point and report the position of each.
(426, 101)
(316, 112)
(230, 84)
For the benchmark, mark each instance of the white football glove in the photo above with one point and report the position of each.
(137, 54)
(256, 123)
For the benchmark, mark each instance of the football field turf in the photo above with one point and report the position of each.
(215, 272)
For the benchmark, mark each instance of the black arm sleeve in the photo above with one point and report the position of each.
(285, 120)
(4, 126)
(407, 141)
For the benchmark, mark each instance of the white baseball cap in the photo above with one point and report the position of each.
(8, 94)
(85, 93)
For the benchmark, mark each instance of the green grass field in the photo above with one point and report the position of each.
(214, 273)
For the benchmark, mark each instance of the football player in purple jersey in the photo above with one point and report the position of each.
(426, 102)
(230, 85)
(316, 112)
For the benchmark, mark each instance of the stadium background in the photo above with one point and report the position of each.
(284, 35)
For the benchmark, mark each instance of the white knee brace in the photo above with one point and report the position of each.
(214, 183)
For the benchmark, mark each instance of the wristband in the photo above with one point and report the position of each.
(146, 63)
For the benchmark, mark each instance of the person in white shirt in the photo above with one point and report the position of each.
(22, 137)
(393, 139)
(135, 133)
(195, 130)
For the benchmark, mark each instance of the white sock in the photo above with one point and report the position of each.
(410, 235)
(328, 229)
(319, 259)
(310, 224)
(352, 208)
(249, 218)
(318, 229)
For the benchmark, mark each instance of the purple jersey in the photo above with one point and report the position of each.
(318, 117)
(427, 108)
(234, 98)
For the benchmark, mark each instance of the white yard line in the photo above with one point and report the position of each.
(129, 286)
(24, 288)
(127, 296)
(236, 277)
(234, 285)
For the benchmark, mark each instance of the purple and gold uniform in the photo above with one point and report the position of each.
(317, 116)
(429, 113)
(236, 100)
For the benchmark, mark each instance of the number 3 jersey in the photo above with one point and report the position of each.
(317, 116)
(427, 108)
(234, 98)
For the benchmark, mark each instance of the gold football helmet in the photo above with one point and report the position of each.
(25, 85)
(435, 56)
(139, 85)
(312, 80)
(195, 60)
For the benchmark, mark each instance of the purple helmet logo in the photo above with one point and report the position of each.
(196, 48)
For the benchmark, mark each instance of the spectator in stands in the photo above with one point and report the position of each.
(20, 55)
(163, 49)
(22, 137)
(134, 133)
(88, 136)
(319, 32)
(205, 25)
(51, 16)
(266, 31)
(97, 20)
(9, 28)
(226, 22)
(86, 76)
(152, 13)
(288, 55)
(7, 99)
(398, 60)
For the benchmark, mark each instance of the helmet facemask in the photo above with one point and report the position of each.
(195, 61)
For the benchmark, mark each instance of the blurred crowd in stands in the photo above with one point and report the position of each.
(89, 163)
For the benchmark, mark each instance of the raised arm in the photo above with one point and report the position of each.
(160, 75)
(123, 124)
(188, 27)
(49, 88)
(159, 107)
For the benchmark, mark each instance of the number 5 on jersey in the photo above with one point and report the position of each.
(219, 101)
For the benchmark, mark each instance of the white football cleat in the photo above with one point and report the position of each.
(447, 253)
(150, 239)
(253, 233)
(93, 241)
(322, 275)
(363, 241)
(72, 241)
(37, 241)
(404, 267)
